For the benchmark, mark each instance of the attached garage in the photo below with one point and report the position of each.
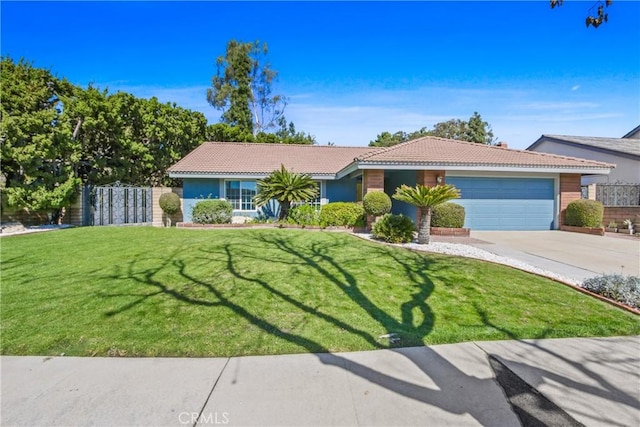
(506, 203)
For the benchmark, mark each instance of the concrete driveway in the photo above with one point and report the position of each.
(573, 255)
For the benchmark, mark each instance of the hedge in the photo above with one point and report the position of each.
(342, 214)
(212, 212)
(448, 215)
(584, 213)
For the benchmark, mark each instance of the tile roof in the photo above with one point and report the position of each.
(232, 158)
(253, 158)
(619, 145)
(446, 152)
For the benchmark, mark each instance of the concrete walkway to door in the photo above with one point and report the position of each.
(572, 255)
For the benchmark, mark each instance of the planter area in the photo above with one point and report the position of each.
(271, 225)
(597, 231)
(444, 231)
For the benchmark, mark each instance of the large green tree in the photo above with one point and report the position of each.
(474, 130)
(129, 139)
(55, 136)
(38, 153)
(243, 88)
(286, 187)
(425, 198)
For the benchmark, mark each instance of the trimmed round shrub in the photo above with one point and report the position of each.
(394, 229)
(376, 203)
(447, 215)
(341, 214)
(584, 213)
(212, 212)
(304, 215)
(169, 203)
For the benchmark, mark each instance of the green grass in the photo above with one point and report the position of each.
(142, 291)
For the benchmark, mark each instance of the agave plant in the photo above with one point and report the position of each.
(285, 187)
(425, 198)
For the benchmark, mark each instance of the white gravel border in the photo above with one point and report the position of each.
(469, 251)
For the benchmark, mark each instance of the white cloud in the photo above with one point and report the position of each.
(576, 87)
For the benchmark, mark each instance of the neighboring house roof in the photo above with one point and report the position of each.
(446, 152)
(220, 159)
(633, 134)
(232, 158)
(625, 146)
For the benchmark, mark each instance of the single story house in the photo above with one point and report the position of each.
(501, 188)
(623, 152)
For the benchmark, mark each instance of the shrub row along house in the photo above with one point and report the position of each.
(501, 188)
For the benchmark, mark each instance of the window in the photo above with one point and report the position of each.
(240, 194)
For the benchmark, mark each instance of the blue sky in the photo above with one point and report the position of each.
(354, 69)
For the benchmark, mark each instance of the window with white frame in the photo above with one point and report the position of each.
(240, 194)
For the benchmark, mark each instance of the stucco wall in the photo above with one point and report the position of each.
(344, 190)
(626, 171)
(197, 189)
(393, 180)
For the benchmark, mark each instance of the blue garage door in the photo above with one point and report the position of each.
(506, 203)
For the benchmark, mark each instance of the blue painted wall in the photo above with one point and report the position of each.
(344, 190)
(393, 180)
(198, 189)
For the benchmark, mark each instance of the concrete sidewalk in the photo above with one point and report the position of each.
(595, 381)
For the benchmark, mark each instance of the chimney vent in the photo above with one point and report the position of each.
(502, 144)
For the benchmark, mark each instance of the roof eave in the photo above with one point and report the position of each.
(604, 170)
(237, 175)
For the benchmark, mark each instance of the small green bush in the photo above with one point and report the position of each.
(584, 213)
(304, 215)
(448, 215)
(212, 212)
(394, 229)
(169, 203)
(341, 214)
(376, 203)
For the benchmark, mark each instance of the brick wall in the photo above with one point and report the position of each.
(430, 178)
(619, 214)
(570, 190)
(157, 214)
(373, 180)
(26, 217)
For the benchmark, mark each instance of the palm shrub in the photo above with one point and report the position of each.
(425, 198)
(584, 213)
(212, 212)
(376, 203)
(285, 187)
(448, 215)
(170, 204)
(341, 214)
(394, 229)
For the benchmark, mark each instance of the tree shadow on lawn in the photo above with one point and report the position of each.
(447, 394)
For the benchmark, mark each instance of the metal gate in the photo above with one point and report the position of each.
(120, 204)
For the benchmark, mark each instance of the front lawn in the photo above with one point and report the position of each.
(142, 291)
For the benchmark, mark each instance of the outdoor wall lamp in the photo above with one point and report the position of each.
(438, 179)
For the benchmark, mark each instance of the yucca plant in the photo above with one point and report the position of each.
(286, 187)
(425, 198)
